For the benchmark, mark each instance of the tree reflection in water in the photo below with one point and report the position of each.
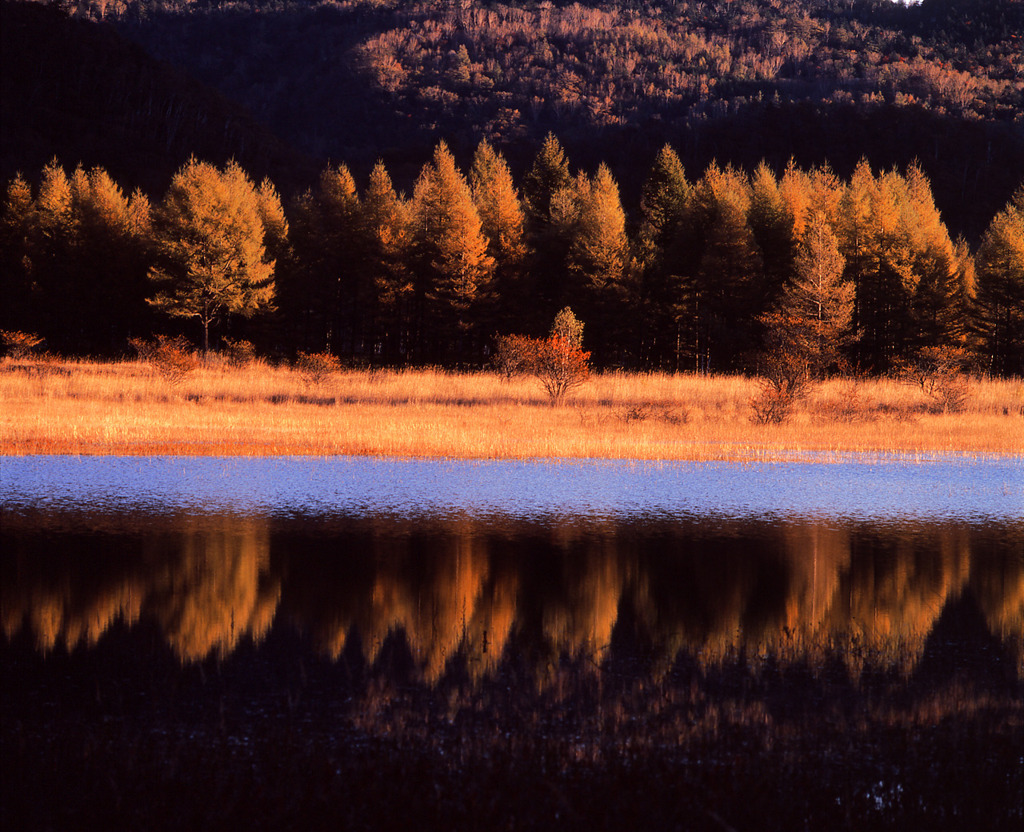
(235, 671)
(462, 588)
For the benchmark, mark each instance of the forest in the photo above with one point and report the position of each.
(704, 184)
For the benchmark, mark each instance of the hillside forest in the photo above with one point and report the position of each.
(400, 183)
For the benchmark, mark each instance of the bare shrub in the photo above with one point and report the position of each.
(317, 367)
(19, 345)
(174, 358)
(239, 353)
(514, 355)
(941, 375)
(786, 380)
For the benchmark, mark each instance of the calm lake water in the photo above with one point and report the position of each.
(197, 642)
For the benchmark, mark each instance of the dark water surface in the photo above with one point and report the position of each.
(371, 644)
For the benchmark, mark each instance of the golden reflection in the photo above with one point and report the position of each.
(472, 589)
(214, 589)
(205, 582)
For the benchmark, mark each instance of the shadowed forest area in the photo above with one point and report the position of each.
(705, 184)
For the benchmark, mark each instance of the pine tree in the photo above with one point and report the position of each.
(212, 259)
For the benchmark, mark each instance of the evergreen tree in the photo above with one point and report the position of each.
(662, 244)
(999, 308)
(210, 240)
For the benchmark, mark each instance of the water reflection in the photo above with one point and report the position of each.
(463, 589)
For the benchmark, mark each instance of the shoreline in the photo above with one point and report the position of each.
(127, 409)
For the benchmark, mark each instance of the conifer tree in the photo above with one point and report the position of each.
(502, 221)
(728, 263)
(546, 196)
(773, 225)
(387, 227)
(816, 306)
(663, 241)
(17, 298)
(210, 238)
(999, 308)
(597, 258)
(450, 251)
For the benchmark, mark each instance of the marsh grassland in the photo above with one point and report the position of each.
(80, 407)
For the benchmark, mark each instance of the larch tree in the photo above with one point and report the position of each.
(598, 258)
(113, 253)
(773, 225)
(450, 251)
(387, 228)
(210, 241)
(544, 183)
(728, 264)
(939, 306)
(17, 295)
(877, 249)
(502, 221)
(999, 306)
(816, 306)
(662, 244)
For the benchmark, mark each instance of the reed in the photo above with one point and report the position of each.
(83, 407)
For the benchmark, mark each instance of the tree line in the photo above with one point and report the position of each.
(706, 274)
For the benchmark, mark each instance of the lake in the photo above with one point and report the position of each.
(205, 643)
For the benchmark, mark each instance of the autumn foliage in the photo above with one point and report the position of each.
(558, 361)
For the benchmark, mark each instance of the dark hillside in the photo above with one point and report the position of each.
(816, 80)
(77, 90)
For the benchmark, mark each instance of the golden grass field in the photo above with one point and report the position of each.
(128, 408)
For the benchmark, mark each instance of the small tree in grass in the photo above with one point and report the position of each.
(561, 366)
(558, 361)
(317, 367)
(787, 368)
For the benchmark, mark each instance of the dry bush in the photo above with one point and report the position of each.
(239, 353)
(845, 404)
(19, 345)
(786, 380)
(514, 355)
(317, 367)
(941, 376)
(174, 358)
(644, 411)
(561, 366)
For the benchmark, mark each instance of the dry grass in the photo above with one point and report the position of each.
(128, 408)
